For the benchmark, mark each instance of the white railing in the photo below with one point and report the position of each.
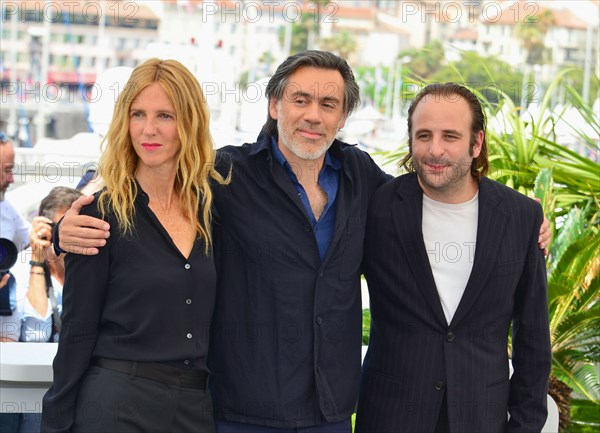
(25, 375)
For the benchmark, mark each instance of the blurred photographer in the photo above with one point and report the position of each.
(14, 228)
(41, 273)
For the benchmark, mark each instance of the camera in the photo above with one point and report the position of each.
(52, 226)
(8, 255)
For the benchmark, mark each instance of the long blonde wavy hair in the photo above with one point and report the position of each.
(195, 165)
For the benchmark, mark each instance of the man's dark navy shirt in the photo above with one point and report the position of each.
(286, 345)
(329, 179)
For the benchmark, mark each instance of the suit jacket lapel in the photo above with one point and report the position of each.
(408, 218)
(344, 198)
(282, 179)
(491, 225)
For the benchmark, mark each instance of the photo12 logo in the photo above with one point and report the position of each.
(255, 11)
(113, 12)
(456, 11)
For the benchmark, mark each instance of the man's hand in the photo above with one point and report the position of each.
(81, 234)
(545, 233)
(4, 280)
(40, 237)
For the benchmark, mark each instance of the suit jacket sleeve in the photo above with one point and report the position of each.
(531, 354)
(86, 280)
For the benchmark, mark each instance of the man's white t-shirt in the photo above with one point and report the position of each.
(450, 234)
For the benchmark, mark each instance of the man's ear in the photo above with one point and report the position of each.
(343, 121)
(478, 143)
(273, 108)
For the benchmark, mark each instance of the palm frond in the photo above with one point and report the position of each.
(576, 327)
(583, 378)
(573, 267)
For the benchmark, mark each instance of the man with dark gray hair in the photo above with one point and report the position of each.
(287, 330)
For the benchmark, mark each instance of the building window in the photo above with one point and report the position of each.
(570, 54)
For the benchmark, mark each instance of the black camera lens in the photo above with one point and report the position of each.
(8, 254)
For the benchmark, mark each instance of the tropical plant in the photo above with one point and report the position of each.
(366, 326)
(306, 28)
(525, 155)
(573, 295)
(575, 79)
(532, 33)
(424, 61)
(343, 43)
(488, 74)
(373, 84)
(521, 144)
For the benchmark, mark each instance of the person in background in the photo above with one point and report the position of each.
(16, 229)
(115, 352)
(42, 275)
(12, 225)
(452, 262)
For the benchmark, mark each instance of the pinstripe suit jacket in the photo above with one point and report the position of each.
(414, 355)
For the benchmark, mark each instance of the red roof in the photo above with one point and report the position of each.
(517, 11)
(566, 18)
(70, 77)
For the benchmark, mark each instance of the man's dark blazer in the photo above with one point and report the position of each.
(414, 356)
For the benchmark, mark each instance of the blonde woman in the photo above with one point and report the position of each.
(133, 347)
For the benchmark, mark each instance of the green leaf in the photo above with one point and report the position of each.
(582, 378)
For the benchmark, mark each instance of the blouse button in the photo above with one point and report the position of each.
(188, 301)
(186, 362)
(189, 336)
(187, 266)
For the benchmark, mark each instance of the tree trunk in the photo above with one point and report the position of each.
(561, 394)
